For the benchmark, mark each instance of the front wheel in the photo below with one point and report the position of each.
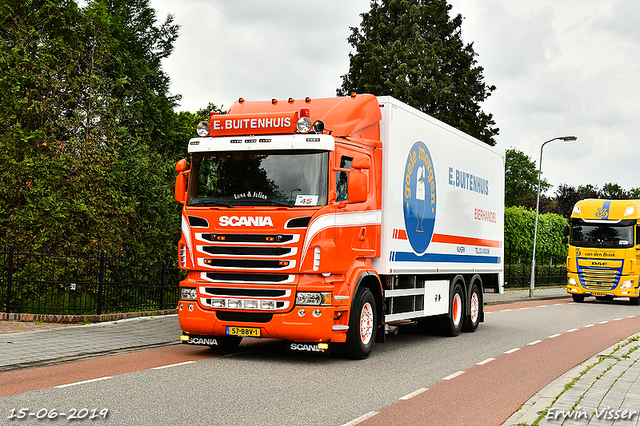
(578, 298)
(634, 300)
(363, 325)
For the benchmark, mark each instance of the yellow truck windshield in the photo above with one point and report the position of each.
(602, 234)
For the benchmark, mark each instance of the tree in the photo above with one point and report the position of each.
(521, 179)
(567, 196)
(88, 130)
(613, 191)
(413, 50)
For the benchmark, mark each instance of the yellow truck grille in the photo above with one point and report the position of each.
(599, 279)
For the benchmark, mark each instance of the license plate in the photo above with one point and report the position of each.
(599, 293)
(243, 331)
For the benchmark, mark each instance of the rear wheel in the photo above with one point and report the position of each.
(363, 326)
(451, 324)
(578, 298)
(475, 310)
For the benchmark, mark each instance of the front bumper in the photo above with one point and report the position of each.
(330, 323)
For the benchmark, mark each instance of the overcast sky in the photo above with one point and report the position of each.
(567, 67)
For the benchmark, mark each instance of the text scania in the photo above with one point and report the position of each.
(245, 221)
(251, 123)
(468, 181)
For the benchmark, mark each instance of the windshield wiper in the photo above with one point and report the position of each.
(262, 201)
(209, 202)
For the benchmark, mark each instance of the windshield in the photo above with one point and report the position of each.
(266, 178)
(605, 235)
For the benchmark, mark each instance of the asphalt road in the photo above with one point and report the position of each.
(260, 384)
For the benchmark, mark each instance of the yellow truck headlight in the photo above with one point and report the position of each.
(572, 281)
(626, 284)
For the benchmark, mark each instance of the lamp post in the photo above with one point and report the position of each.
(535, 229)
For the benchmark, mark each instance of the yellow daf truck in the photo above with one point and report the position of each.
(604, 250)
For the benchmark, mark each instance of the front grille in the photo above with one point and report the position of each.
(599, 279)
(247, 238)
(245, 292)
(247, 278)
(246, 251)
(247, 263)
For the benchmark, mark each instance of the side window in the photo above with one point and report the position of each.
(342, 179)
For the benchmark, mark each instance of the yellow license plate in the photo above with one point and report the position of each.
(243, 331)
(599, 293)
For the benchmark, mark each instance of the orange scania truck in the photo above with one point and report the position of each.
(604, 250)
(328, 222)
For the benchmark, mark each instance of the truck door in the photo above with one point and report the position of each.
(358, 223)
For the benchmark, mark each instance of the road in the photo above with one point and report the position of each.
(520, 348)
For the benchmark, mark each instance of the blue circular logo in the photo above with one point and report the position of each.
(419, 199)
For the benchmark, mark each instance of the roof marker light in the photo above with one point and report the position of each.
(274, 102)
(241, 100)
(291, 100)
(307, 100)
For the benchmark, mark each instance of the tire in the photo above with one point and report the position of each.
(578, 298)
(475, 310)
(634, 301)
(450, 325)
(363, 325)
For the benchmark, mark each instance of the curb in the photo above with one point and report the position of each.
(525, 299)
(72, 319)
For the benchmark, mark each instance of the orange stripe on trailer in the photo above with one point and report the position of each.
(455, 239)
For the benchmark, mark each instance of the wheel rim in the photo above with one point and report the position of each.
(475, 303)
(366, 323)
(457, 309)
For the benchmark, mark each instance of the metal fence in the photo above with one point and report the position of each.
(84, 283)
(517, 270)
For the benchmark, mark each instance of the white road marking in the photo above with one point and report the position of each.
(412, 394)
(84, 381)
(173, 365)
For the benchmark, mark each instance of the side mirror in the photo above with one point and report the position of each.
(358, 187)
(565, 240)
(181, 166)
(181, 182)
(566, 231)
(361, 162)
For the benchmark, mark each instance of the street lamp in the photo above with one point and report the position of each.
(535, 229)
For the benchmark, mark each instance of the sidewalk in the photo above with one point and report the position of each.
(73, 342)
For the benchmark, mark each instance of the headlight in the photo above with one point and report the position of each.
(309, 298)
(571, 281)
(188, 293)
(304, 124)
(202, 129)
(626, 284)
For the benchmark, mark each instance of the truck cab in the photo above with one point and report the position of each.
(604, 250)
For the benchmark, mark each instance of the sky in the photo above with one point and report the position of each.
(560, 68)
